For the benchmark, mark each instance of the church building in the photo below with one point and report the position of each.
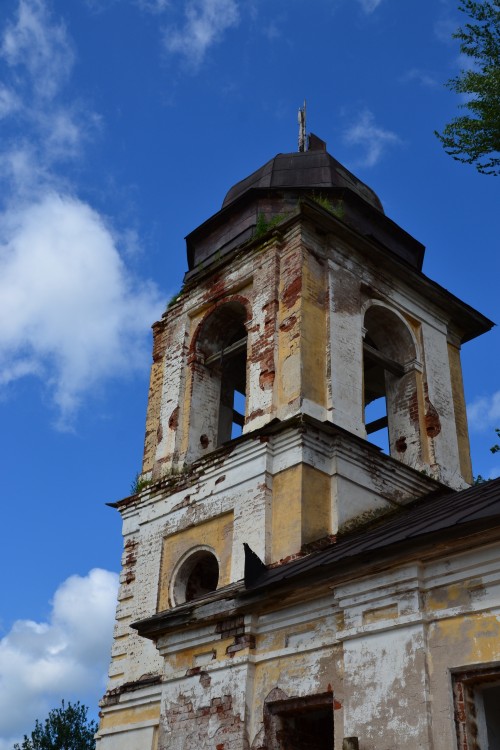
(286, 583)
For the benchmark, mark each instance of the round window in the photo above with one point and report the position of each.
(197, 575)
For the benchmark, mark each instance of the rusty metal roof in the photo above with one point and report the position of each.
(430, 517)
(425, 525)
(304, 170)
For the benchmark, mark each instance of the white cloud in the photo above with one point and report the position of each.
(484, 412)
(39, 58)
(369, 5)
(9, 101)
(41, 46)
(153, 6)
(70, 312)
(67, 656)
(444, 29)
(423, 77)
(372, 138)
(205, 23)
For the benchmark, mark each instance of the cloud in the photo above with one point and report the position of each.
(65, 657)
(38, 58)
(369, 5)
(423, 77)
(444, 29)
(70, 312)
(35, 42)
(9, 102)
(153, 6)
(372, 138)
(484, 412)
(204, 25)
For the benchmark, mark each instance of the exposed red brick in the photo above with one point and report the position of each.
(266, 379)
(173, 421)
(432, 421)
(292, 292)
(288, 323)
(159, 341)
(413, 407)
(256, 413)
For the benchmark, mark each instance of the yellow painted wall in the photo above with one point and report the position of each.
(301, 509)
(216, 533)
(130, 716)
(316, 504)
(153, 415)
(457, 388)
(314, 331)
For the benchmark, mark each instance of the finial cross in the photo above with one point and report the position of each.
(302, 127)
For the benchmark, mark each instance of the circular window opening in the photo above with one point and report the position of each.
(198, 575)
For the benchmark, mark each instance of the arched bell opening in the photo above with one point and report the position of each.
(391, 386)
(218, 402)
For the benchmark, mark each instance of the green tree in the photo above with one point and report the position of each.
(496, 448)
(65, 728)
(474, 138)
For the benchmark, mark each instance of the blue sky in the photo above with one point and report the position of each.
(122, 125)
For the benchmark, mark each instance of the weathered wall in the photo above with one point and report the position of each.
(305, 295)
(384, 646)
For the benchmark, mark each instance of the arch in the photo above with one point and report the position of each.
(219, 373)
(196, 574)
(390, 377)
(391, 332)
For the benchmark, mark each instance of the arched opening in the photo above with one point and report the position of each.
(390, 385)
(219, 378)
(198, 575)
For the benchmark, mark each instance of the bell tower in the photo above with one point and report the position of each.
(302, 306)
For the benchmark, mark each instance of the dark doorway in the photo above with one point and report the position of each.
(308, 730)
(300, 723)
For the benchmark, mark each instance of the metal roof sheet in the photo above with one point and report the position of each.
(424, 517)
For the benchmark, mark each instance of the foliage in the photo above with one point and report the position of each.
(496, 448)
(337, 208)
(262, 226)
(138, 484)
(474, 138)
(65, 728)
(173, 299)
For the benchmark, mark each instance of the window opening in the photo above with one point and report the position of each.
(477, 696)
(239, 408)
(218, 386)
(197, 576)
(230, 360)
(376, 365)
(301, 723)
(390, 385)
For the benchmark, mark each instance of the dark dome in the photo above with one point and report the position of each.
(307, 170)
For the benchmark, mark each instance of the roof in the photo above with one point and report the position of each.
(425, 523)
(305, 170)
(463, 511)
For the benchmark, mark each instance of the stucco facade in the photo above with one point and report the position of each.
(308, 303)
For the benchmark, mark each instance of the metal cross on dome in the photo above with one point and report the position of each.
(302, 127)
